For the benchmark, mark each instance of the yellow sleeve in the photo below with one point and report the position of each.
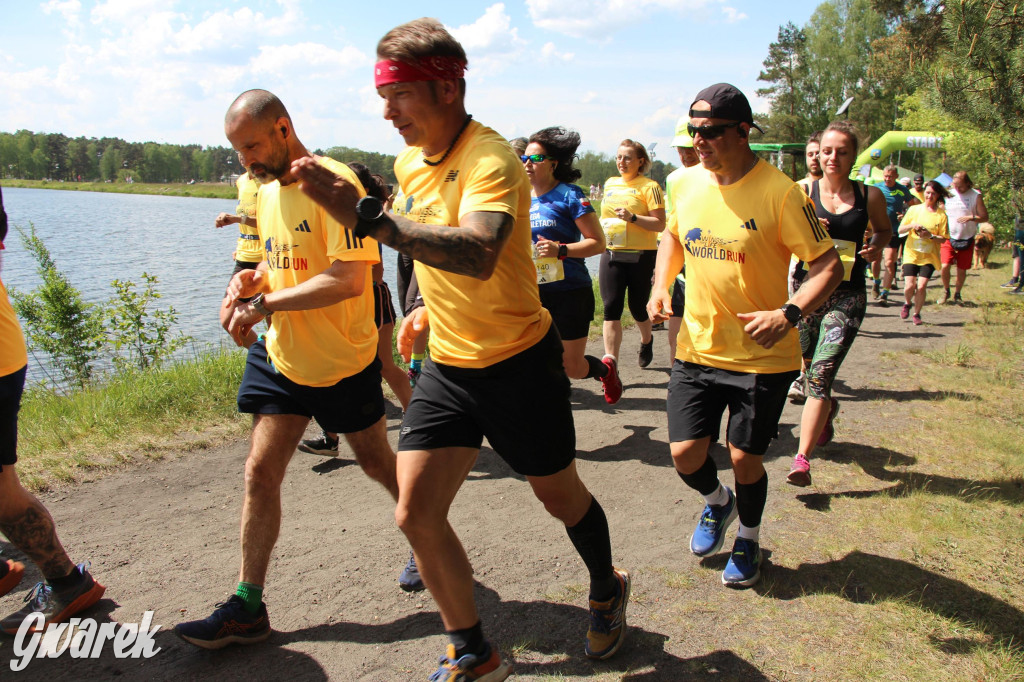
(492, 184)
(799, 227)
(653, 196)
(909, 217)
(341, 242)
(942, 227)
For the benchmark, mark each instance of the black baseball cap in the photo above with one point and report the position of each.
(726, 102)
(918, 177)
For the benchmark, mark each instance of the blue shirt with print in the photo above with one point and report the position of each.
(553, 217)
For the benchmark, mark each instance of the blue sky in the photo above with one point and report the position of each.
(165, 70)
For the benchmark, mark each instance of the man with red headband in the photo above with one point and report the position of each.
(468, 228)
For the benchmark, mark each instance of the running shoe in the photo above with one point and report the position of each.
(905, 311)
(608, 620)
(709, 536)
(828, 433)
(1009, 285)
(10, 575)
(230, 623)
(487, 667)
(883, 300)
(957, 300)
(658, 327)
(414, 374)
(876, 291)
(917, 320)
(1017, 290)
(324, 445)
(796, 390)
(945, 298)
(611, 383)
(800, 473)
(744, 567)
(410, 580)
(646, 353)
(56, 606)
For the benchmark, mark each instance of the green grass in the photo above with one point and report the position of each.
(203, 190)
(186, 405)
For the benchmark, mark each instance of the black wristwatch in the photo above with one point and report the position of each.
(792, 313)
(257, 305)
(563, 251)
(369, 212)
(633, 219)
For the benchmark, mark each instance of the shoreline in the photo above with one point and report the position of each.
(200, 190)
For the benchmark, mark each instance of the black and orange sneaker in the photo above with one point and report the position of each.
(608, 621)
(56, 606)
(230, 623)
(487, 667)
(10, 575)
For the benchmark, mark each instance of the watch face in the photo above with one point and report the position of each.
(369, 208)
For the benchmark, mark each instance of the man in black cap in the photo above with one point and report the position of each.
(736, 349)
(918, 190)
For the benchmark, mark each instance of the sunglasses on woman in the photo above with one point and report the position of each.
(534, 158)
(710, 132)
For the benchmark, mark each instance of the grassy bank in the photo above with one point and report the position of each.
(181, 407)
(203, 190)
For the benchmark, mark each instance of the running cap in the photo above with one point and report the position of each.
(388, 71)
(682, 138)
(726, 102)
(918, 177)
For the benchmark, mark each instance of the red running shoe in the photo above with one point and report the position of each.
(611, 383)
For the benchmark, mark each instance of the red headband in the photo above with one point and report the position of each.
(426, 69)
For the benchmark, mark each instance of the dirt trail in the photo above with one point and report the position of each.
(163, 536)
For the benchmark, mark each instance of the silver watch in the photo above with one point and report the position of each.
(257, 305)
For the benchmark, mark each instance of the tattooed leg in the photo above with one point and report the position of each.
(28, 526)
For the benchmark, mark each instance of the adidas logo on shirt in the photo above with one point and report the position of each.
(303, 227)
(451, 176)
(749, 225)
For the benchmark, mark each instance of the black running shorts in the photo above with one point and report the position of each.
(383, 307)
(572, 311)
(521, 405)
(353, 404)
(678, 298)
(698, 396)
(11, 387)
(911, 270)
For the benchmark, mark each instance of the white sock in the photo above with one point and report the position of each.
(749, 533)
(609, 355)
(717, 498)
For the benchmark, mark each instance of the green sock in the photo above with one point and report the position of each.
(252, 595)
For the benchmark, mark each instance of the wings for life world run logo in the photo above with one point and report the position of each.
(282, 256)
(701, 245)
(82, 638)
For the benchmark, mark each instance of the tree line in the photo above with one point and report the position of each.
(911, 65)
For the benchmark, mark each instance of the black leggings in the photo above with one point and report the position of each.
(616, 279)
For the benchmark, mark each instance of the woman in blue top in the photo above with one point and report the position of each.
(565, 231)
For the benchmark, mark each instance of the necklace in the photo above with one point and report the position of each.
(448, 151)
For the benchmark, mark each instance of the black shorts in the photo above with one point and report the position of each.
(896, 241)
(698, 396)
(353, 404)
(11, 387)
(678, 298)
(383, 308)
(572, 311)
(521, 405)
(239, 266)
(926, 270)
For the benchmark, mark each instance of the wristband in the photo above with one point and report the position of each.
(563, 251)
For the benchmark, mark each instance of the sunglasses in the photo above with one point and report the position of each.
(710, 132)
(534, 158)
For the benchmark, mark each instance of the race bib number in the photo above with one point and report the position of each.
(847, 255)
(548, 269)
(614, 232)
(923, 245)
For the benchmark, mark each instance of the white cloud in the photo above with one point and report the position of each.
(69, 10)
(491, 42)
(732, 15)
(549, 52)
(308, 60)
(124, 11)
(598, 19)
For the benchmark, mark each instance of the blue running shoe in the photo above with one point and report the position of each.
(709, 535)
(410, 579)
(744, 567)
(488, 667)
(230, 623)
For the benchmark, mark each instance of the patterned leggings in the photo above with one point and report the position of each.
(826, 336)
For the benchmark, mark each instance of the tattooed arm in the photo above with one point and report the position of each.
(471, 248)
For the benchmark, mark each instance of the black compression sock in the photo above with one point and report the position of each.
(705, 479)
(750, 501)
(597, 369)
(591, 538)
(467, 641)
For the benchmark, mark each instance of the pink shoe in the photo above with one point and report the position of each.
(800, 474)
(611, 383)
(828, 432)
(905, 312)
(917, 320)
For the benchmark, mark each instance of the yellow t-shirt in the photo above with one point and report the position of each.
(249, 249)
(919, 251)
(641, 195)
(13, 355)
(919, 195)
(738, 240)
(476, 323)
(318, 347)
